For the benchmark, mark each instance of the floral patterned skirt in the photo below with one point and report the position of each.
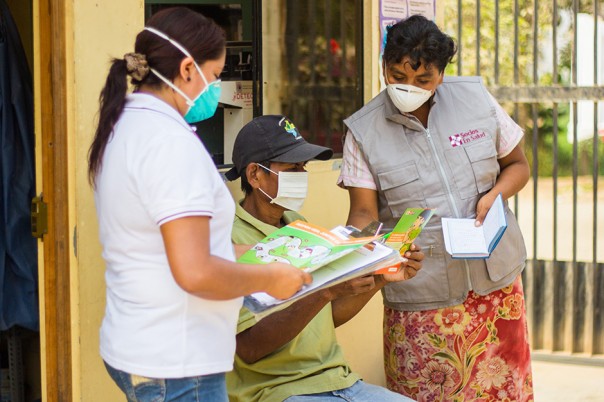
(475, 351)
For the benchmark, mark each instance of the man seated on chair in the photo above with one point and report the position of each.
(292, 355)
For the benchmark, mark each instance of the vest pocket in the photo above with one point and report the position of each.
(510, 253)
(475, 167)
(402, 187)
(483, 157)
(431, 284)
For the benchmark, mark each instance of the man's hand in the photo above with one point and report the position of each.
(351, 287)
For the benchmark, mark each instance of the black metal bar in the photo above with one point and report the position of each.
(535, 43)
(536, 94)
(596, 142)
(360, 73)
(293, 21)
(291, 38)
(312, 36)
(327, 23)
(459, 37)
(555, 42)
(535, 173)
(555, 129)
(257, 87)
(575, 8)
(311, 108)
(575, 173)
(343, 44)
(496, 42)
(327, 109)
(594, 328)
(555, 179)
(535, 112)
(516, 69)
(575, 168)
(477, 37)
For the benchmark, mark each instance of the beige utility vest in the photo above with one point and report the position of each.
(447, 166)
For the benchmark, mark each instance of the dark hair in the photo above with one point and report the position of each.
(421, 40)
(246, 187)
(199, 35)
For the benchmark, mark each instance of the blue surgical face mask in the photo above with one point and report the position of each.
(204, 105)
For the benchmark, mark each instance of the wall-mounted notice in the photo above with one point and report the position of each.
(392, 11)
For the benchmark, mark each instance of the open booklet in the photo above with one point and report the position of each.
(465, 240)
(408, 228)
(331, 256)
(304, 245)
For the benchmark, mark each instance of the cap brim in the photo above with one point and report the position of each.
(232, 174)
(304, 152)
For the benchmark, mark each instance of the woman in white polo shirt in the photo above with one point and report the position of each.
(165, 219)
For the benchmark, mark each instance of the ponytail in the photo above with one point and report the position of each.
(112, 100)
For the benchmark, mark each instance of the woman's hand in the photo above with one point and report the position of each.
(286, 280)
(409, 268)
(513, 176)
(483, 207)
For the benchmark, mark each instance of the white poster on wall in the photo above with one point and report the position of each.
(392, 11)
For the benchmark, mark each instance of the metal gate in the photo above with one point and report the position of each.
(324, 70)
(544, 62)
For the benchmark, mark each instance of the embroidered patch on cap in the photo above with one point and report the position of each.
(290, 128)
(466, 137)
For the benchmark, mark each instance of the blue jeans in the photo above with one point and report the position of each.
(207, 388)
(358, 392)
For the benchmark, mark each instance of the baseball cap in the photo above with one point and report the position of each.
(272, 138)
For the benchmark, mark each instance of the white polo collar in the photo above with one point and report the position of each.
(145, 101)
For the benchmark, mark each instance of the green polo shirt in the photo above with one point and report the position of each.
(312, 362)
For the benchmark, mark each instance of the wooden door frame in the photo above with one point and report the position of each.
(52, 62)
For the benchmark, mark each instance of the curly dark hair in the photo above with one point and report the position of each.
(421, 40)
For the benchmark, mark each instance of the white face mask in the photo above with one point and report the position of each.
(292, 189)
(407, 98)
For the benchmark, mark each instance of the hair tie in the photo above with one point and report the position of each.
(137, 66)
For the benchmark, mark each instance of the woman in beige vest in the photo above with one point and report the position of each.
(457, 331)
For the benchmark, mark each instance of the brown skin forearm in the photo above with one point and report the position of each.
(197, 271)
(274, 331)
(515, 173)
(345, 308)
(363, 207)
(347, 299)
(279, 328)
(513, 176)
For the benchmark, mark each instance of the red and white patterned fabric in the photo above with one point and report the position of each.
(475, 351)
